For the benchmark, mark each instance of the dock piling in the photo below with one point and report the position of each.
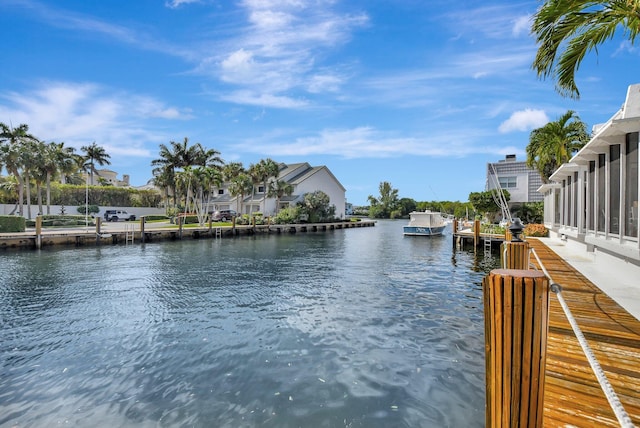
(39, 232)
(516, 308)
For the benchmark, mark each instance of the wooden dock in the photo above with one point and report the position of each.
(82, 236)
(463, 237)
(572, 396)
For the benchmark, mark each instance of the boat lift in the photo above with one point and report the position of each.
(493, 186)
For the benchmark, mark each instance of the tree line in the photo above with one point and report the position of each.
(187, 174)
(32, 162)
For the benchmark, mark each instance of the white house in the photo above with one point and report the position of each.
(304, 179)
(516, 177)
(593, 199)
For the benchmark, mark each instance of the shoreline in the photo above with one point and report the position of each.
(128, 233)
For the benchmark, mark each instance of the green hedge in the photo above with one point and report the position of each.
(65, 220)
(155, 217)
(12, 223)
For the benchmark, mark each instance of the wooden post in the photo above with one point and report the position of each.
(516, 255)
(98, 226)
(516, 305)
(142, 221)
(179, 217)
(38, 232)
(210, 224)
(476, 232)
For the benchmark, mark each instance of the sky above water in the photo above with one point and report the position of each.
(419, 94)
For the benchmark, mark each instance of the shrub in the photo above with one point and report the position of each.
(52, 220)
(243, 219)
(12, 223)
(91, 209)
(155, 217)
(287, 215)
(536, 230)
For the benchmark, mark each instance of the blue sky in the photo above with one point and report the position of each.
(419, 94)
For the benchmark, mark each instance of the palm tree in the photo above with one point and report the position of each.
(239, 186)
(12, 141)
(178, 156)
(555, 143)
(278, 189)
(566, 30)
(231, 170)
(261, 172)
(95, 154)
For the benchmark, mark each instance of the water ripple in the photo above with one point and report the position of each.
(358, 328)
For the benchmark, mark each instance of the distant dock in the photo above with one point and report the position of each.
(464, 237)
(140, 232)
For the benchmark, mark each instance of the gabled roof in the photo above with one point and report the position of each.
(310, 171)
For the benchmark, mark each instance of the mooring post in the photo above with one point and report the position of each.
(142, 222)
(179, 226)
(515, 253)
(98, 226)
(476, 233)
(454, 231)
(516, 319)
(39, 232)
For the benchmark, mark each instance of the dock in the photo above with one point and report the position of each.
(464, 237)
(139, 233)
(572, 394)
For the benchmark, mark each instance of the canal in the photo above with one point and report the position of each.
(349, 328)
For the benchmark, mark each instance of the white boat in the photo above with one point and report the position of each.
(425, 223)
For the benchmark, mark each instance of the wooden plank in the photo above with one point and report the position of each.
(572, 394)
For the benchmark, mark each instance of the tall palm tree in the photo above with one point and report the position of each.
(555, 143)
(239, 186)
(12, 141)
(565, 30)
(262, 172)
(278, 189)
(231, 170)
(178, 156)
(95, 154)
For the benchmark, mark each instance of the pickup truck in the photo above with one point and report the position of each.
(117, 215)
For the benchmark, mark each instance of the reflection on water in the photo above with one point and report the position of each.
(354, 328)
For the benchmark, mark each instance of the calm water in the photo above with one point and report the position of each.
(353, 328)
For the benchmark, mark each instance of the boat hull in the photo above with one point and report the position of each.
(423, 231)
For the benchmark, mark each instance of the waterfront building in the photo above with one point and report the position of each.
(516, 177)
(593, 199)
(303, 178)
(106, 176)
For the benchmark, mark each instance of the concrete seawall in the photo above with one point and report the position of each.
(132, 234)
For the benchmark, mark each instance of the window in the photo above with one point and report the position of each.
(508, 182)
(591, 198)
(569, 193)
(631, 186)
(614, 188)
(574, 191)
(601, 192)
(260, 189)
(220, 191)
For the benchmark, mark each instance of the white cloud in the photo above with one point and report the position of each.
(524, 120)
(280, 50)
(79, 113)
(173, 4)
(522, 25)
(264, 100)
(368, 142)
